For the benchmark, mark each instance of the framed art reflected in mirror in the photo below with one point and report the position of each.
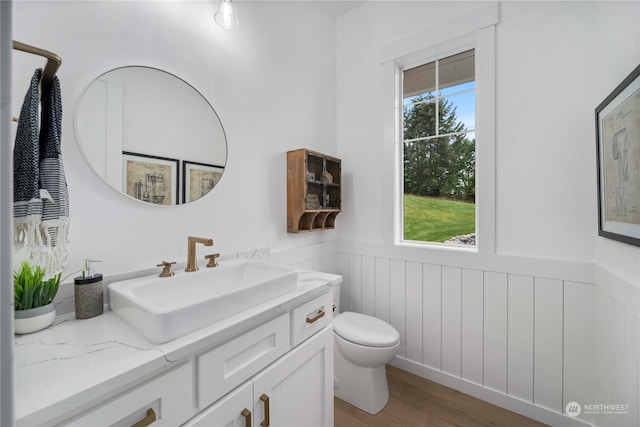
(150, 179)
(199, 179)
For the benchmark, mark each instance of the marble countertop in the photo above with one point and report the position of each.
(72, 365)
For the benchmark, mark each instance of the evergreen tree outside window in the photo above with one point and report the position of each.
(439, 150)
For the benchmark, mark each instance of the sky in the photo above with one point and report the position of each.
(463, 97)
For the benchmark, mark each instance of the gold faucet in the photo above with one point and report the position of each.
(192, 264)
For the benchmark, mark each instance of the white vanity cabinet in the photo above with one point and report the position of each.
(296, 390)
(270, 367)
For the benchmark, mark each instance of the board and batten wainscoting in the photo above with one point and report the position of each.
(530, 335)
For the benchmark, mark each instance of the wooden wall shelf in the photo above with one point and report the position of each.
(313, 190)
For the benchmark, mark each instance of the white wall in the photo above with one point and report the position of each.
(270, 80)
(553, 315)
(272, 83)
(555, 62)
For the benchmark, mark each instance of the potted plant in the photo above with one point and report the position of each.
(33, 298)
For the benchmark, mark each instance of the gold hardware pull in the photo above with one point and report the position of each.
(150, 418)
(247, 417)
(316, 317)
(166, 271)
(212, 260)
(265, 399)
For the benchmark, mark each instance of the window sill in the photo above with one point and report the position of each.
(437, 246)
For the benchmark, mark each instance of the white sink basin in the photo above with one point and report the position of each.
(165, 308)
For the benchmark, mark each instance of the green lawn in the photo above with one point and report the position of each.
(436, 220)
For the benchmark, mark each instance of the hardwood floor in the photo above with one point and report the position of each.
(415, 401)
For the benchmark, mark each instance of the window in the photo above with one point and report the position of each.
(438, 55)
(439, 151)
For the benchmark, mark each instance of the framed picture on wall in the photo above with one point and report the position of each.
(198, 179)
(151, 179)
(618, 152)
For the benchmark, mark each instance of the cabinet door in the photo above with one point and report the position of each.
(299, 386)
(233, 410)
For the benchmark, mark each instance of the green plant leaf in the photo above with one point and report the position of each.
(30, 290)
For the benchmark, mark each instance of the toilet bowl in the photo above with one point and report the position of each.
(362, 346)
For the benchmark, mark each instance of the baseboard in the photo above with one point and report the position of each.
(510, 403)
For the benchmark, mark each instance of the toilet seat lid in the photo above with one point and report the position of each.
(365, 330)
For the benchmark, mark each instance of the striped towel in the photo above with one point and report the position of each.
(41, 198)
(27, 205)
(55, 211)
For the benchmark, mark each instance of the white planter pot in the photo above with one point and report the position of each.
(34, 319)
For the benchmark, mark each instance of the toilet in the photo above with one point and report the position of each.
(362, 346)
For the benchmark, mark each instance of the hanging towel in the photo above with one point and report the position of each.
(55, 204)
(27, 205)
(41, 201)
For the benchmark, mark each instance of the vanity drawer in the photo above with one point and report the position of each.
(229, 365)
(311, 317)
(168, 398)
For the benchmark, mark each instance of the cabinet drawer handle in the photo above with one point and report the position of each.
(247, 417)
(316, 317)
(150, 418)
(265, 399)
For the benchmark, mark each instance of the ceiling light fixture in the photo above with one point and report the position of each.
(227, 15)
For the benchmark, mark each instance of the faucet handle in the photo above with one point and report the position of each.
(212, 260)
(166, 270)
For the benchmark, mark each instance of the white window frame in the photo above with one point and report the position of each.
(475, 30)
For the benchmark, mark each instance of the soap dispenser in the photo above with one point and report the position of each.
(88, 292)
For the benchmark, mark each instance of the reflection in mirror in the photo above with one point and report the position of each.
(150, 135)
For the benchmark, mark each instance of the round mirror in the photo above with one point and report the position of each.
(151, 136)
